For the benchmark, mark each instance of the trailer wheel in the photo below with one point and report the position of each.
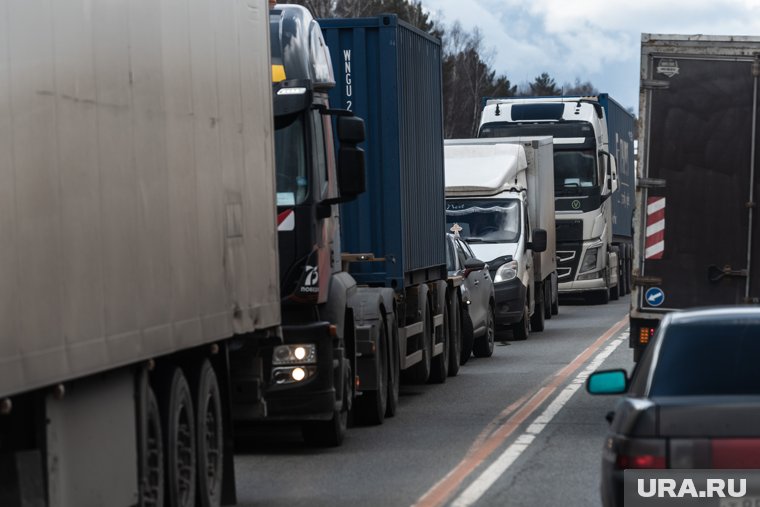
(420, 372)
(179, 440)
(331, 433)
(370, 407)
(440, 366)
(521, 330)
(455, 334)
(537, 320)
(394, 372)
(483, 346)
(151, 451)
(210, 435)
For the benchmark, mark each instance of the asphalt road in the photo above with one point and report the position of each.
(516, 429)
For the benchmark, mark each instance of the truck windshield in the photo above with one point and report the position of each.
(290, 157)
(485, 220)
(574, 171)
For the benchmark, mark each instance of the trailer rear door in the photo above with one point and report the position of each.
(700, 116)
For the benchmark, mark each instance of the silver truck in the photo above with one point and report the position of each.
(137, 246)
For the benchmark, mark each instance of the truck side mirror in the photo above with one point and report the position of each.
(613, 179)
(351, 162)
(538, 244)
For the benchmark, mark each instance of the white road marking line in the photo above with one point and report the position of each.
(484, 482)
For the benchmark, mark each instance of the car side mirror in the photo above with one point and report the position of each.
(473, 264)
(538, 244)
(607, 382)
(351, 161)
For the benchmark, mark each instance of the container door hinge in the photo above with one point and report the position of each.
(654, 84)
(715, 274)
(650, 183)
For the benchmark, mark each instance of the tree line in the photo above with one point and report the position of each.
(468, 73)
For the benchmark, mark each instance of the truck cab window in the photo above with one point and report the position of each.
(320, 155)
(290, 157)
(485, 220)
(574, 170)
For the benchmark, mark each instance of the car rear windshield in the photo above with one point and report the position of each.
(722, 359)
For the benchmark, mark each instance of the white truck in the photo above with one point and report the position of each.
(588, 247)
(499, 197)
(137, 246)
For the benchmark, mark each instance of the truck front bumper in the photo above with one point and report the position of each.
(314, 397)
(510, 301)
(579, 286)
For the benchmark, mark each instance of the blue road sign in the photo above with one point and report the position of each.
(655, 296)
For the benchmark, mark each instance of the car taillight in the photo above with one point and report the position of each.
(624, 462)
(633, 453)
(735, 453)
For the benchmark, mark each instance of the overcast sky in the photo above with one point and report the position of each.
(593, 40)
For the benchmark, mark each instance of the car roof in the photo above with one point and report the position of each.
(716, 313)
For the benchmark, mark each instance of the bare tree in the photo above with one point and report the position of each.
(318, 8)
(579, 88)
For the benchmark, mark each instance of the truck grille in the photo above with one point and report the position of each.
(568, 259)
(569, 230)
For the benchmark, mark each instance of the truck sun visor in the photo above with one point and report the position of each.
(292, 28)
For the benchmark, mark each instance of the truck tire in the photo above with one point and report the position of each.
(331, 433)
(394, 373)
(547, 300)
(455, 334)
(151, 451)
(615, 292)
(483, 346)
(210, 436)
(555, 303)
(521, 330)
(370, 407)
(468, 336)
(179, 440)
(537, 319)
(420, 372)
(439, 369)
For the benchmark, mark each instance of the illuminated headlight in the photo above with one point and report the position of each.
(292, 91)
(292, 374)
(589, 260)
(506, 272)
(294, 354)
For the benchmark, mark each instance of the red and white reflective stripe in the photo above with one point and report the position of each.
(655, 245)
(286, 221)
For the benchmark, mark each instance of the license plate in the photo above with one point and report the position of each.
(748, 501)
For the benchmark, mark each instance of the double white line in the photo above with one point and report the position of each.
(509, 421)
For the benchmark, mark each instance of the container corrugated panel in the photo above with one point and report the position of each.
(389, 73)
(700, 135)
(620, 127)
(137, 203)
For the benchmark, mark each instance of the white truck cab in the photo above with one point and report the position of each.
(585, 177)
(487, 204)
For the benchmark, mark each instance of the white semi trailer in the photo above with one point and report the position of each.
(137, 245)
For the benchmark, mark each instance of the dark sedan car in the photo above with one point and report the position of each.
(693, 402)
(477, 295)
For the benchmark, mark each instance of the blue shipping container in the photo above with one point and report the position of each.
(620, 129)
(389, 74)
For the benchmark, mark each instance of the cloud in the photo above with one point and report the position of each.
(593, 40)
